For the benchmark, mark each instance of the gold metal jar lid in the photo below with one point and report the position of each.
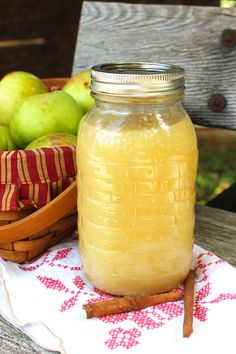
(140, 79)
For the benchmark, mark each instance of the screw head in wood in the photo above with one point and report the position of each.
(217, 102)
(228, 38)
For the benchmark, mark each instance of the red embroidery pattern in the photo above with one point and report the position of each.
(223, 297)
(53, 284)
(159, 315)
(60, 255)
(123, 338)
(171, 309)
(200, 312)
(56, 284)
(52, 259)
(67, 304)
(149, 319)
(142, 318)
(203, 264)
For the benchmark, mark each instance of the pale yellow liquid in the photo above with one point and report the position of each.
(136, 204)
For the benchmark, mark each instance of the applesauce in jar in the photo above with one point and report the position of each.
(137, 162)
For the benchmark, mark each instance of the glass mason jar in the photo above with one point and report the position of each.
(137, 162)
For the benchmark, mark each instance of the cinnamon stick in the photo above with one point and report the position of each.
(188, 304)
(128, 303)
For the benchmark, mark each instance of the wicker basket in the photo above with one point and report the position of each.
(25, 234)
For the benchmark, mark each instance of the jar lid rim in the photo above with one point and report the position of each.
(130, 78)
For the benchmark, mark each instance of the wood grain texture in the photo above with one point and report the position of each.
(189, 36)
(13, 341)
(215, 231)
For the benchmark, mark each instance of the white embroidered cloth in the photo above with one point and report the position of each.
(45, 300)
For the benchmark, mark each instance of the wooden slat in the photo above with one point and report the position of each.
(215, 231)
(186, 35)
(13, 341)
(42, 218)
(40, 243)
(22, 42)
(19, 257)
(12, 215)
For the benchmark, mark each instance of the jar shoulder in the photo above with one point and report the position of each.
(135, 117)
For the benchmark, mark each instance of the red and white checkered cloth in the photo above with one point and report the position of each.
(45, 299)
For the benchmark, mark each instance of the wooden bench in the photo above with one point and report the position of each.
(188, 36)
(201, 39)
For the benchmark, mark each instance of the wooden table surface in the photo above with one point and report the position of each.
(215, 231)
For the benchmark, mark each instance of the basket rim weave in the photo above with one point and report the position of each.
(41, 218)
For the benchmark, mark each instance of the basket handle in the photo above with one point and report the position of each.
(41, 218)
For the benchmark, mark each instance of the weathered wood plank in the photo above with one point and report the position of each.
(13, 341)
(215, 231)
(186, 35)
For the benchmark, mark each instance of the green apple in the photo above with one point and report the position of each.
(3, 140)
(51, 140)
(6, 132)
(14, 87)
(78, 88)
(48, 113)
